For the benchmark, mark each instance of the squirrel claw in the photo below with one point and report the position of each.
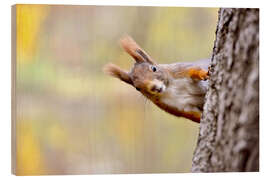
(204, 75)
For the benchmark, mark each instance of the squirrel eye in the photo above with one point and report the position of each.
(154, 69)
(138, 89)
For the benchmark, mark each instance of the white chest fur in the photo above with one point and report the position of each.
(185, 94)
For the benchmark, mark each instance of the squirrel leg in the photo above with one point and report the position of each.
(194, 116)
(198, 73)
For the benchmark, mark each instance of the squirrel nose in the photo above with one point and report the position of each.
(156, 88)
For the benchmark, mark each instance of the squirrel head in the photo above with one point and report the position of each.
(146, 75)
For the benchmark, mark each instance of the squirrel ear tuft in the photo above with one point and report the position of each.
(134, 50)
(130, 46)
(117, 72)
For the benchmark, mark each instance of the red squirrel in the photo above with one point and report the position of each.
(177, 88)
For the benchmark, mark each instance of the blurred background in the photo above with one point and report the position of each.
(73, 119)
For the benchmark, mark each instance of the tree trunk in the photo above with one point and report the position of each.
(229, 129)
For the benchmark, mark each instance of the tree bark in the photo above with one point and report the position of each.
(229, 128)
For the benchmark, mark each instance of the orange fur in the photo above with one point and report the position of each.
(197, 73)
(192, 115)
(192, 71)
(133, 49)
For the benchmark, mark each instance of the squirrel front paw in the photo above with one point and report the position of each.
(198, 74)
